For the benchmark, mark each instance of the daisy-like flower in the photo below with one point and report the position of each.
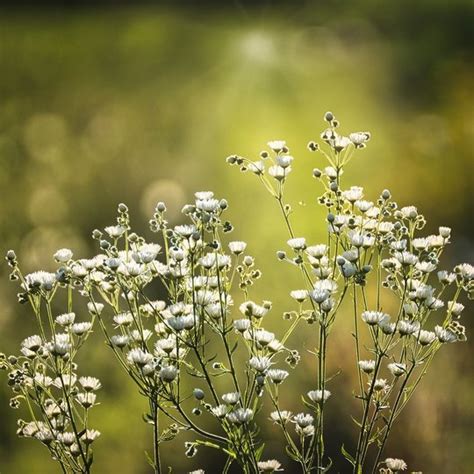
(397, 369)
(63, 255)
(281, 417)
(90, 436)
(87, 399)
(272, 465)
(303, 420)
(32, 343)
(319, 396)
(242, 325)
(260, 363)
(220, 411)
(355, 193)
(396, 464)
(277, 145)
(231, 398)
(367, 366)
(299, 295)
(90, 384)
(115, 231)
(425, 338)
(278, 172)
(240, 416)
(297, 243)
(139, 357)
(373, 318)
(277, 375)
(168, 374)
(80, 329)
(237, 247)
(380, 385)
(445, 335)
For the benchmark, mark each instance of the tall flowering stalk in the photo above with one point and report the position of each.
(44, 376)
(178, 316)
(367, 244)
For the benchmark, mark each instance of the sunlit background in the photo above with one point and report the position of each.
(143, 103)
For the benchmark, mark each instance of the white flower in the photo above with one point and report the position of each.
(208, 205)
(32, 343)
(395, 464)
(87, 399)
(81, 328)
(299, 295)
(204, 195)
(380, 385)
(359, 139)
(406, 327)
(277, 145)
(445, 277)
(272, 465)
(319, 295)
(406, 258)
(115, 231)
(425, 338)
(95, 308)
(277, 375)
(409, 212)
(353, 194)
(231, 398)
(303, 420)
(317, 251)
(260, 363)
(123, 319)
(367, 366)
(374, 317)
(139, 357)
(445, 335)
(445, 232)
(364, 206)
(319, 396)
(257, 167)
(281, 417)
(251, 309)
(240, 416)
(40, 279)
(65, 319)
(242, 325)
(219, 411)
(90, 436)
(168, 374)
(298, 243)
(263, 337)
(278, 172)
(397, 368)
(237, 247)
(284, 160)
(455, 308)
(90, 384)
(119, 340)
(63, 255)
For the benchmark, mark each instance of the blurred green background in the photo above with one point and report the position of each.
(142, 102)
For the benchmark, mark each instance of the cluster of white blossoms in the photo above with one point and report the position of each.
(371, 243)
(179, 317)
(44, 376)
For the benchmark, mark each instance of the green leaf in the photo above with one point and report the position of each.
(259, 452)
(347, 455)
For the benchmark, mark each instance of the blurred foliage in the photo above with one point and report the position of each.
(100, 105)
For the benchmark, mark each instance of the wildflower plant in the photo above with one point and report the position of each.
(44, 376)
(178, 315)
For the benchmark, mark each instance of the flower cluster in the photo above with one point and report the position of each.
(178, 315)
(44, 376)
